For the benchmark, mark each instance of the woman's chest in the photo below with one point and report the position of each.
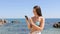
(36, 19)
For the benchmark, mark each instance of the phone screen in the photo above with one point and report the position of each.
(26, 17)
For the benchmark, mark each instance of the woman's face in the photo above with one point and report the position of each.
(34, 11)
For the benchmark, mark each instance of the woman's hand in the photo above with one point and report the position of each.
(28, 24)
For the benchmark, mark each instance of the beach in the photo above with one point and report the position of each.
(21, 28)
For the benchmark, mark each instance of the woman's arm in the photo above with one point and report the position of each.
(28, 24)
(41, 24)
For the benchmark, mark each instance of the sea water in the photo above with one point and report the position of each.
(21, 27)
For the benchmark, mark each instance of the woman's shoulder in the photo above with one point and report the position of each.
(41, 17)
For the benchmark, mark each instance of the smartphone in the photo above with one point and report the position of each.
(26, 17)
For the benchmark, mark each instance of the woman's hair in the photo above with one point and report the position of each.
(38, 10)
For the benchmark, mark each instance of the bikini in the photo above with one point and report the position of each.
(37, 23)
(36, 32)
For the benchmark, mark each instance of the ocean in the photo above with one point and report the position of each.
(21, 27)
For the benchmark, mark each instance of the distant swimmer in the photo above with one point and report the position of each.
(15, 21)
(56, 25)
(2, 22)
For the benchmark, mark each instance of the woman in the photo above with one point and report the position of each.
(36, 24)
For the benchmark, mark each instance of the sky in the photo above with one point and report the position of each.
(20, 8)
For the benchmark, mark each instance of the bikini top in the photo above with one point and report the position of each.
(37, 23)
